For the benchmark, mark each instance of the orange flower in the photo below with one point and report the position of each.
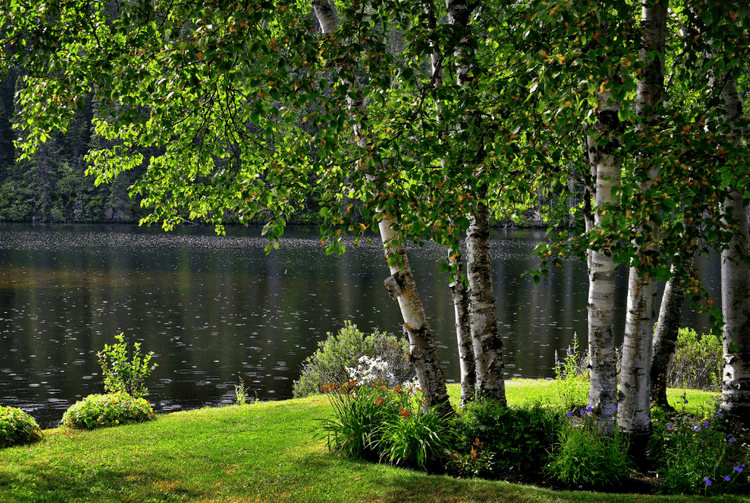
(379, 400)
(404, 413)
(397, 389)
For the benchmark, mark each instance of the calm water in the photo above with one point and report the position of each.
(214, 308)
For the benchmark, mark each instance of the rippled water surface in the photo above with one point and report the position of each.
(214, 308)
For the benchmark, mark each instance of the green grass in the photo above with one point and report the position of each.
(261, 452)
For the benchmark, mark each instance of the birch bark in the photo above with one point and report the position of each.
(735, 293)
(634, 414)
(487, 343)
(401, 285)
(667, 329)
(606, 172)
(459, 292)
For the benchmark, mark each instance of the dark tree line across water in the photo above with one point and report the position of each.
(52, 186)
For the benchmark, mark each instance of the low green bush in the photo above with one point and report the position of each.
(351, 354)
(498, 441)
(17, 428)
(697, 362)
(584, 458)
(112, 409)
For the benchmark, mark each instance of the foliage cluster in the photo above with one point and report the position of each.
(338, 354)
(112, 409)
(503, 442)
(571, 376)
(584, 457)
(373, 421)
(695, 454)
(125, 375)
(697, 362)
(17, 428)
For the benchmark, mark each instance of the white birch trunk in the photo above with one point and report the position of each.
(488, 345)
(667, 330)
(735, 294)
(634, 415)
(401, 284)
(460, 297)
(601, 300)
(459, 292)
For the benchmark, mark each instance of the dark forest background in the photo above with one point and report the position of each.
(52, 186)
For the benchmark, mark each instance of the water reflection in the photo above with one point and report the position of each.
(214, 308)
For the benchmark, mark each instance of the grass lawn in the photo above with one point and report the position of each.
(261, 452)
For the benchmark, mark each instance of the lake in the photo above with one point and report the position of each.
(217, 308)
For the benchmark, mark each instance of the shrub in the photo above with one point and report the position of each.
(125, 376)
(695, 456)
(697, 362)
(584, 457)
(339, 355)
(112, 409)
(17, 428)
(500, 441)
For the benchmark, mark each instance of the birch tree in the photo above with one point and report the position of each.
(634, 414)
(735, 287)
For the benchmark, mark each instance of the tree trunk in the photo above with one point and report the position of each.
(401, 285)
(667, 328)
(601, 300)
(459, 292)
(488, 345)
(735, 293)
(634, 415)
(460, 296)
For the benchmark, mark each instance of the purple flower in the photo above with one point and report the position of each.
(570, 414)
(731, 440)
(707, 481)
(738, 469)
(719, 414)
(615, 408)
(669, 426)
(697, 428)
(705, 423)
(609, 411)
(726, 477)
(583, 411)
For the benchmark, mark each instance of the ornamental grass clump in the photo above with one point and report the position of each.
(112, 409)
(696, 455)
(374, 422)
(18, 428)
